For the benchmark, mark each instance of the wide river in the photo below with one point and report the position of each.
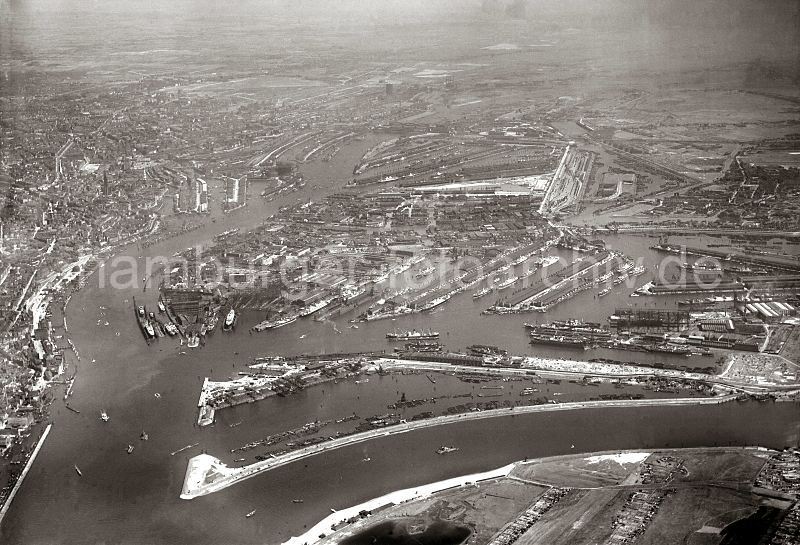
(124, 498)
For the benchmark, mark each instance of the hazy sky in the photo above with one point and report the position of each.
(738, 29)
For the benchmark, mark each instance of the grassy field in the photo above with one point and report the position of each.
(702, 491)
(688, 510)
(583, 516)
(576, 472)
(485, 508)
(735, 467)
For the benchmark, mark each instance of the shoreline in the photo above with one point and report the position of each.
(206, 474)
(394, 498)
(312, 535)
(27, 468)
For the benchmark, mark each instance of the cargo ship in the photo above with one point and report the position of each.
(412, 335)
(573, 327)
(284, 321)
(422, 346)
(230, 320)
(486, 350)
(556, 340)
(314, 307)
(433, 303)
(670, 349)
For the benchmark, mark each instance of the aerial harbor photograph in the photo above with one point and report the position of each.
(400, 272)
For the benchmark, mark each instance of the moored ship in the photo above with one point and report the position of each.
(486, 350)
(282, 322)
(411, 335)
(639, 269)
(507, 283)
(421, 346)
(670, 349)
(481, 293)
(445, 449)
(230, 320)
(558, 340)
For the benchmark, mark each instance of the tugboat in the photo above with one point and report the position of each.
(161, 307)
(104, 416)
(230, 320)
(445, 449)
(193, 341)
(144, 436)
(130, 449)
